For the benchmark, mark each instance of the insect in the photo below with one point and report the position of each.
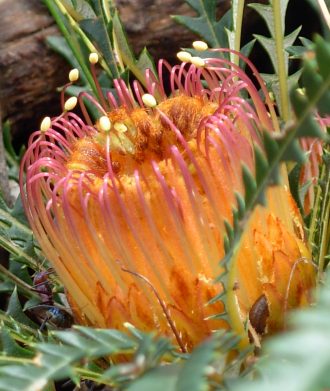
(257, 323)
(42, 286)
(57, 317)
(258, 314)
(47, 313)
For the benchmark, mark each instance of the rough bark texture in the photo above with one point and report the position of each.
(29, 71)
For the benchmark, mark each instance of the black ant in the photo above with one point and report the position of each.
(47, 312)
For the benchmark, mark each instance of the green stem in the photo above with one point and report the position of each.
(231, 265)
(316, 206)
(238, 21)
(324, 219)
(94, 376)
(20, 283)
(280, 55)
(10, 322)
(12, 248)
(325, 12)
(68, 36)
(15, 360)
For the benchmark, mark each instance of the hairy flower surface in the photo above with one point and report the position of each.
(130, 211)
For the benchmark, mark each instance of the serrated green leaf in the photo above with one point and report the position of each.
(113, 337)
(269, 45)
(83, 8)
(10, 347)
(267, 13)
(299, 359)
(294, 182)
(275, 45)
(14, 310)
(100, 35)
(193, 374)
(307, 127)
(240, 205)
(206, 24)
(313, 82)
(137, 67)
(294, 153)
(249, 184)
(163, 378)
(322, 52)
(98, 343)
(229, 231)
(261, 164)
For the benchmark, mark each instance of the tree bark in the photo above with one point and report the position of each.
(29, 70)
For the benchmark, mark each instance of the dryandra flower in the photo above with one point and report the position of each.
(131, 210)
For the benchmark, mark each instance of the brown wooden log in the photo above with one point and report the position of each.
(29, 70)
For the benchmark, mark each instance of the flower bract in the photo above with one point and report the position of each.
(131, 212)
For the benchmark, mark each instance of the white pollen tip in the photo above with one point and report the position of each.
(120, 127)
(105, 123)
(198, 62)
(71, 103)
(46, 123)
(184, 56)
(128, 325)
(200, 45)
(73, 75)
(149, 100)
(93, 58)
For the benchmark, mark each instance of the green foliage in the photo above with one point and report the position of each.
(13, 159)
(284, 148)
(15, 235)
(61, 358)
(275, 46)
(218, 33)
(299, 359)
(206, 25)
(34, 360)
(95, 26)
(82, 353)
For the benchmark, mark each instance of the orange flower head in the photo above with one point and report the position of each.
(131, 210)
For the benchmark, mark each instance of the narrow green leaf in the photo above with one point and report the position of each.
(137, 67)
(100, 35)
(14, 309)
(10, 347)
(162, 378)
(249, 184)
(192, 377)
(260, 163)
(205, 24)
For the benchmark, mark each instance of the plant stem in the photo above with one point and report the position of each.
(280, 55)
(238, 9)
(4, 180)
(325, 12)
(52, 4)
(324, 219)
(20, 283)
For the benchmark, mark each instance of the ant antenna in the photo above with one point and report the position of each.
(161, 303)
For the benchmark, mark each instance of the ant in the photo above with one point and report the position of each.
(47, 312)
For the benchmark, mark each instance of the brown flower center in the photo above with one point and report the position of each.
(140, 135)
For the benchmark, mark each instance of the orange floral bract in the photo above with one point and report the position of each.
(132, 218)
